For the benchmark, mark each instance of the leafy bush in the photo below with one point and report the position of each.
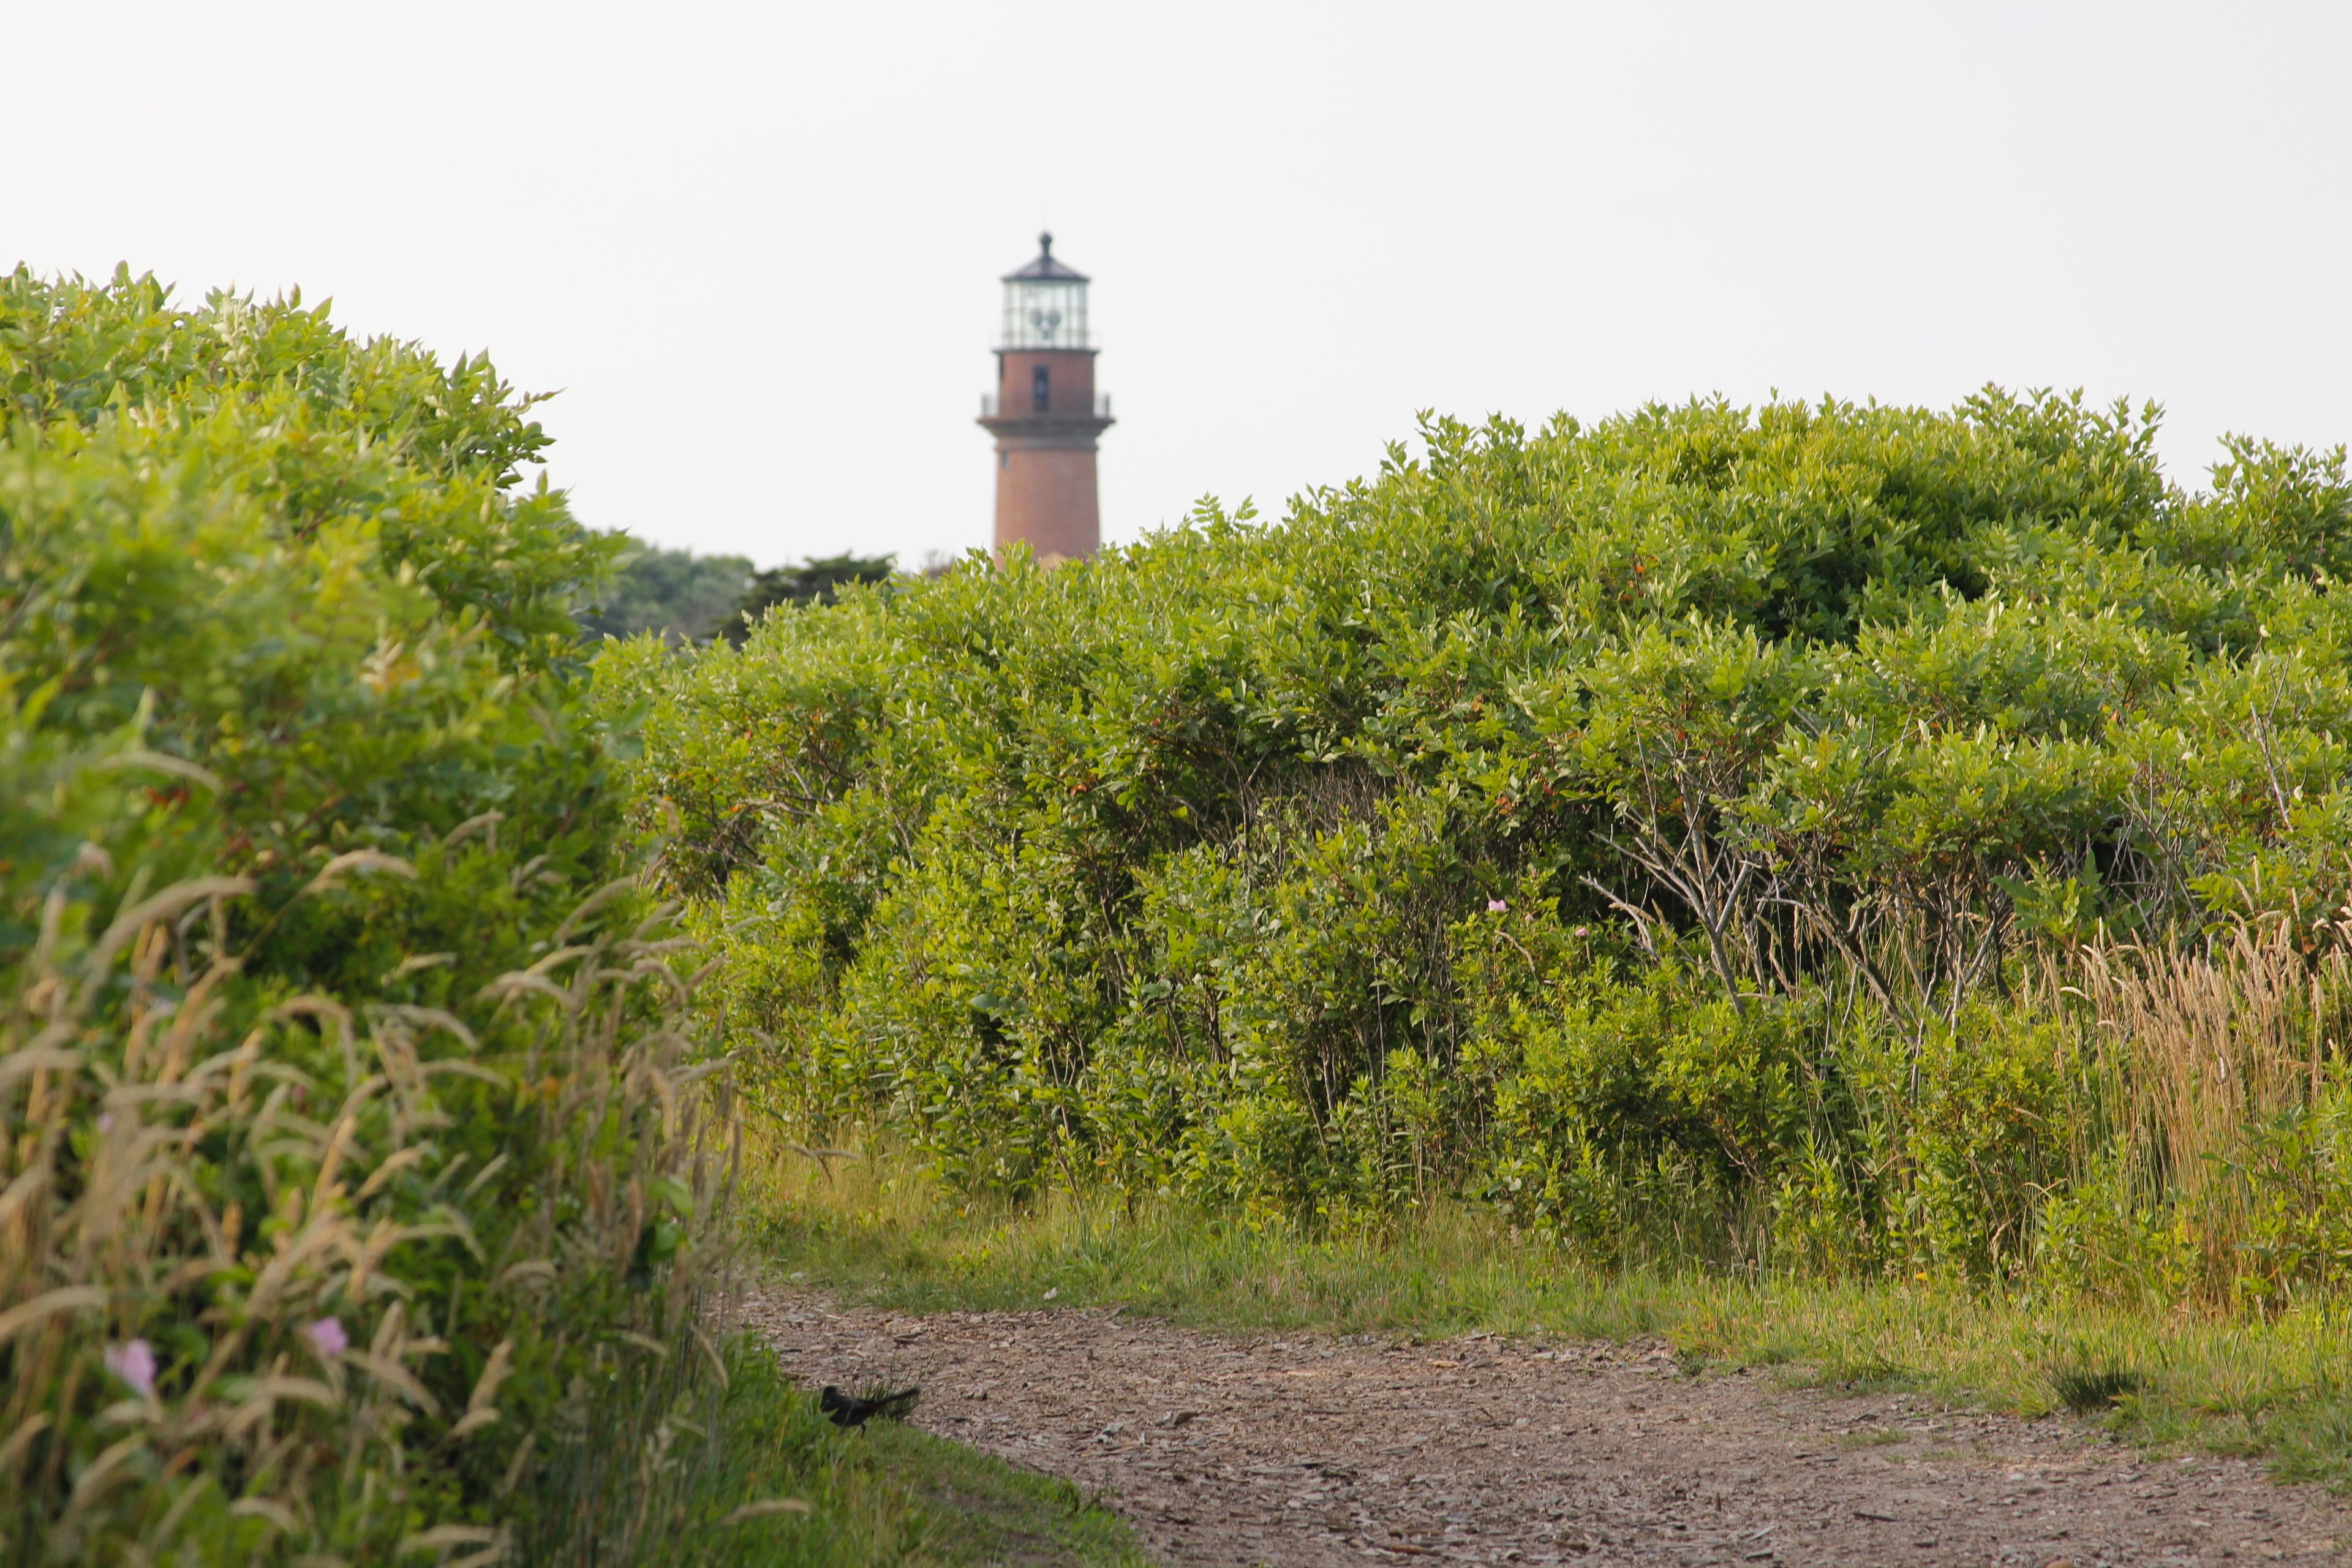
(356, 1150)
(1696, 830)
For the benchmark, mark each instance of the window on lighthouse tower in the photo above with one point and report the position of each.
(1039, 389)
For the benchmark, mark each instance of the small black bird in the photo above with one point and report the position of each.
(856, 1410)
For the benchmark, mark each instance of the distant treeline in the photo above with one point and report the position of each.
(688, 598)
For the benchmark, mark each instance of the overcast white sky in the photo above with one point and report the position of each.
(757, 246)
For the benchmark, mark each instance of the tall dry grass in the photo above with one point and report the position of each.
(2237, 1027)
(2218, 1054)
(285, 1279)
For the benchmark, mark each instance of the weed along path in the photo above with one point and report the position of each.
(1306, 1451)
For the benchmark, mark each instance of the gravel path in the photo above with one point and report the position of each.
(1306, 1450)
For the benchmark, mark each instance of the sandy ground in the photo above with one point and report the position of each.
(1306, 1450)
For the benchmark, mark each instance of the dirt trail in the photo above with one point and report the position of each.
(1306, 1450)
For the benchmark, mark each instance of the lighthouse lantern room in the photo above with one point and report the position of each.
(1046, 303)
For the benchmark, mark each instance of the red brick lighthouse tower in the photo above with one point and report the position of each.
(1045, 415)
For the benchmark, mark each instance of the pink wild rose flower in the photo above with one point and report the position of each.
(327, 1337)
(134, 1363)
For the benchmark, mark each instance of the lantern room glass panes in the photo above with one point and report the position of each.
(1044, 313)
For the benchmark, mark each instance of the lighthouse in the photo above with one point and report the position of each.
(1045, 414)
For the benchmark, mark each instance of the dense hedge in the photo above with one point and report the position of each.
(348, 1135)
(1689, 830)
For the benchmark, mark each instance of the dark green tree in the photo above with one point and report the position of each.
(816, 580)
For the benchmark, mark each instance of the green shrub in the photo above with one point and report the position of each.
(353, 1142)
(2298, 1166)
(1698, 831)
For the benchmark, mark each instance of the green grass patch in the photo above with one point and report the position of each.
(2089, 1386)
(2166, 1380)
